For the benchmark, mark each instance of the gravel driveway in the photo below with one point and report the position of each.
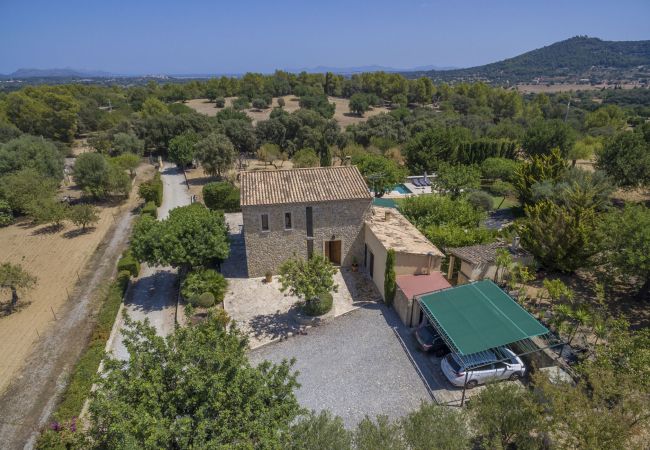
(353, 366)
(153, 295)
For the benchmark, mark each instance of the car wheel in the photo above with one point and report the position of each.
(471, 384)
(515, 376)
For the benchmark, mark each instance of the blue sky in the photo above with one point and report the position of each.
(214, 36)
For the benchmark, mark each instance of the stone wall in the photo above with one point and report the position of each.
(266, 250)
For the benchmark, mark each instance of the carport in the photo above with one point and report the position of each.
(479, 317)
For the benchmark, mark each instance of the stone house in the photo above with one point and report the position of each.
(302, 212)
(478, 262)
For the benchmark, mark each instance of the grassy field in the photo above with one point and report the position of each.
(341, 114)
(57, 259)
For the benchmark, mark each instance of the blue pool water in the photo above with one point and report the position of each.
(402, 189)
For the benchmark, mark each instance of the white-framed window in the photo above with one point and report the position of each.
(265, 222)
(288, 223)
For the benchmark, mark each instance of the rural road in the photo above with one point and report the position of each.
(31, 398)
(152, 296)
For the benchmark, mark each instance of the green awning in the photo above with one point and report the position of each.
(479, 316)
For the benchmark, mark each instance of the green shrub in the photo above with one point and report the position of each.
(481, 200)
(499, 168)
(219, 102)
(221, 195)
(150, 209)
(319, 305)
(152, 191)
(129, 264)
(122, 279)
(390, 280)
(502, 188)
(203, 281)
(6, 216)
(205, 300)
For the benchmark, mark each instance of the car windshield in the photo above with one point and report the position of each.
(427, 333)
(452, 362)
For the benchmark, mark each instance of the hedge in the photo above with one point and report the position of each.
(152, 191)
(129, 264)
(150, 209)
(319, 306)
(85, 371)
(221, 195)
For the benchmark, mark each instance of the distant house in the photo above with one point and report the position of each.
(302, 212)
(478, 262)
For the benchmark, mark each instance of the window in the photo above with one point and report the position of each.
(310, 222)
(287, 221)
(265, 222)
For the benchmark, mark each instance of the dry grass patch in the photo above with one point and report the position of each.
(57, 259)
(341, 114)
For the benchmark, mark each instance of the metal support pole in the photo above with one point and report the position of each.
(462, 400)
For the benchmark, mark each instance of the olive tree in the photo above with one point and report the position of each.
(15, 279)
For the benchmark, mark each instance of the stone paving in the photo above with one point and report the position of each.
(267, 314)
(264, 312)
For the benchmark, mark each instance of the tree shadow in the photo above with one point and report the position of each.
(7, 310)
(351, 114)
(48, 229)
(78, 232)
(276, 325)
(155, 292)
(202, 181)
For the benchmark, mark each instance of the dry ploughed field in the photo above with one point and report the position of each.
(341, 114)
(56, 259)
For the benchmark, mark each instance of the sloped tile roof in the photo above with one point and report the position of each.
(413, 285)
(317, 184)
(484, 253)
(394, 231)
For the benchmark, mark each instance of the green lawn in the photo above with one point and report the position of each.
(509, 202)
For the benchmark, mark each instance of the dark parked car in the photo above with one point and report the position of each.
(430, 341)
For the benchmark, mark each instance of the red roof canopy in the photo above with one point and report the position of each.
(413, 285)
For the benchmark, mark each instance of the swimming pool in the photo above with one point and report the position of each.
(401, 189)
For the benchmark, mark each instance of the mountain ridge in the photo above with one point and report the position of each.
(579, 56)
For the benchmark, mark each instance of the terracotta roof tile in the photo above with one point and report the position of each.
(318, 184)
(484, 253)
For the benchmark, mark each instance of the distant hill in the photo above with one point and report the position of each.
(361, 69)
(575, 58)
(58, 73)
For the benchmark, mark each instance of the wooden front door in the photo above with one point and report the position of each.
(333, 252)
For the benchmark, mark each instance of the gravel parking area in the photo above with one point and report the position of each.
(353, 366)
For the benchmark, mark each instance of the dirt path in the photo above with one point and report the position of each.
(153, 295)
(30, 399)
